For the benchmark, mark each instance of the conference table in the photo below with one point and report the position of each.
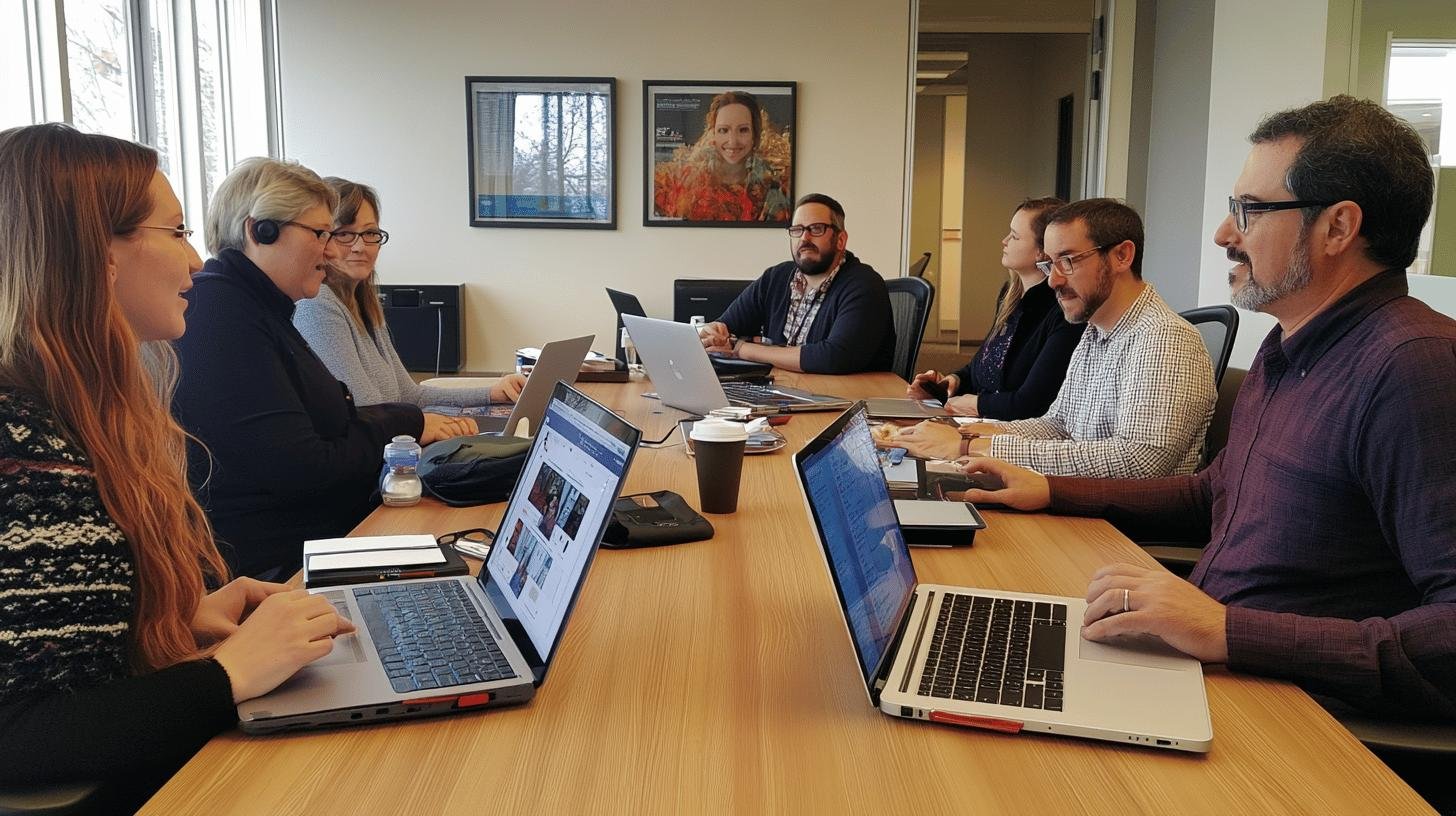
(718, 676)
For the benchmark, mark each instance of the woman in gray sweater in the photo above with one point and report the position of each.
(345, 325)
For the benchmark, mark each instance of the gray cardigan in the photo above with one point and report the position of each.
(367, 362)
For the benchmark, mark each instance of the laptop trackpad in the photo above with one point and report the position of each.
(346, 648)
(1134, 650)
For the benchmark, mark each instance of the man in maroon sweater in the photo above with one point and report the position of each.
(1330, 516)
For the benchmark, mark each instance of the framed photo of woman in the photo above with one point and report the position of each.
(719, 154)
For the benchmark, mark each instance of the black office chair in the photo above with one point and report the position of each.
(910, 300)
(917, 269)
(624, 303)
(1218, 325)
(57, 800)
(707, 297)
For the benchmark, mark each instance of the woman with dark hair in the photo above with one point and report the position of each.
(1019, 368)
(738, 170)
(344, 324)
(116, 664)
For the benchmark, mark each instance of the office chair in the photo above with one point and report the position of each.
(917, 269)
(910, 300)
(624, 303)
(1179, 557)
(708, 297)
(1379, 734)
(57, 800)
(1218, 325)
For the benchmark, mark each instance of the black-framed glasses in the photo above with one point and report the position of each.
(179, 231)
(1240, 208)
(816, 230)
(323, 235)
(1067, 263)
(475, 542)
(370, 236)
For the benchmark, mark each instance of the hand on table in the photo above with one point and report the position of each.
(439, 427)
(1158, 603)
(1024, 489)
(715, 336)
(925, 440)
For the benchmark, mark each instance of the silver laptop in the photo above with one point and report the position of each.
(1006, 661)
(678, 366)
(559, 362)
(441, 645)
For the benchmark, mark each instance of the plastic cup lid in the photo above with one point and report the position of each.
(713, 429)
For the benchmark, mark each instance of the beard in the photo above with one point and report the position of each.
(1092, 301)
(1255, 296)
(812, 267)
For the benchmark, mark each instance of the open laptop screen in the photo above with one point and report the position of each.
(867, 555)
(556, 517)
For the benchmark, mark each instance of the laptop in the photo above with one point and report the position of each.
(442, 645)
(1005, 661)
(728, 369)
(559, 362)
(678, 366)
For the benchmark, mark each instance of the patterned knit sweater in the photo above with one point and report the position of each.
(71, 708)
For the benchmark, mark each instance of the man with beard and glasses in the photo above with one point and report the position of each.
(824, 311)
(1138, 394)
(1330, 516)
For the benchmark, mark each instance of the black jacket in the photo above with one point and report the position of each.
(853, 331)
(1036, 362)
(291, 457)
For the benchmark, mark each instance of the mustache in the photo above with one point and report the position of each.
(1237, 256)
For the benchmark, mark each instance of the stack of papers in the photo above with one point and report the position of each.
(371, 552)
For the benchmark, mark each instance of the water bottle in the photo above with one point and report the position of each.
(399, 484)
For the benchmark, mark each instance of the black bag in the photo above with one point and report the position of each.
(469, 470)
(653, 520)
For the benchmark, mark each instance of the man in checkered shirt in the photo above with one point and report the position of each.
(1139, 391)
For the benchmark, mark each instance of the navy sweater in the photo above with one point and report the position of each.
(1036, 362)
(291, 457)
(853, 331)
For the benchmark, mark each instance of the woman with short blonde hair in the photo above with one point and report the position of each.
(284, 454)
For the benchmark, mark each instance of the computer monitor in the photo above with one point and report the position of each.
(709, 297)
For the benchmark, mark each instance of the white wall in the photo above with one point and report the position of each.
(1266, 57)
(374, 91)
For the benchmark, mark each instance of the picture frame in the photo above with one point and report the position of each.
(718, 154)
(542, 151)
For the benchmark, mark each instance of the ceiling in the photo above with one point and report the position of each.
(942, 46)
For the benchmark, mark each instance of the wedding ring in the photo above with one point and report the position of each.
(1125, 594)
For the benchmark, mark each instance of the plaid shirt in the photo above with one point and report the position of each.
(804, 305)
(1136, 402)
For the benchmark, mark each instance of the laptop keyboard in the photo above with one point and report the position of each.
(997, 650)
(753, 394)
(430, 636)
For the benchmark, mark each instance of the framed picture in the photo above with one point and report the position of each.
(542, 151)
(719, 154)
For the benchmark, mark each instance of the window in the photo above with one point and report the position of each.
(1420, 87)
(188, 77)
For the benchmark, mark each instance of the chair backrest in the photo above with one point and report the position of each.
(910, 300)
(624, 303)
(55, 800)
(708, 297)
(1218, 325)
(917, 269)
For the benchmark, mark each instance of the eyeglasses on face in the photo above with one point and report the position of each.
(370, 236)
(1240, 209)
(323, 235)
(1067, 263)
(179, 231)
(816, 230)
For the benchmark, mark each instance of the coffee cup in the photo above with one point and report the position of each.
(718, 448)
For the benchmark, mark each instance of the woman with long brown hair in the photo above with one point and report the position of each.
(116, 664)
(1019, 368)
(344, 323)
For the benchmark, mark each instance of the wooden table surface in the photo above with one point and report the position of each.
(718, 676)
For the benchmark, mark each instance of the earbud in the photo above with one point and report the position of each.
(265, 231)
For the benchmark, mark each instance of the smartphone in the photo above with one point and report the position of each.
(937, 391)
